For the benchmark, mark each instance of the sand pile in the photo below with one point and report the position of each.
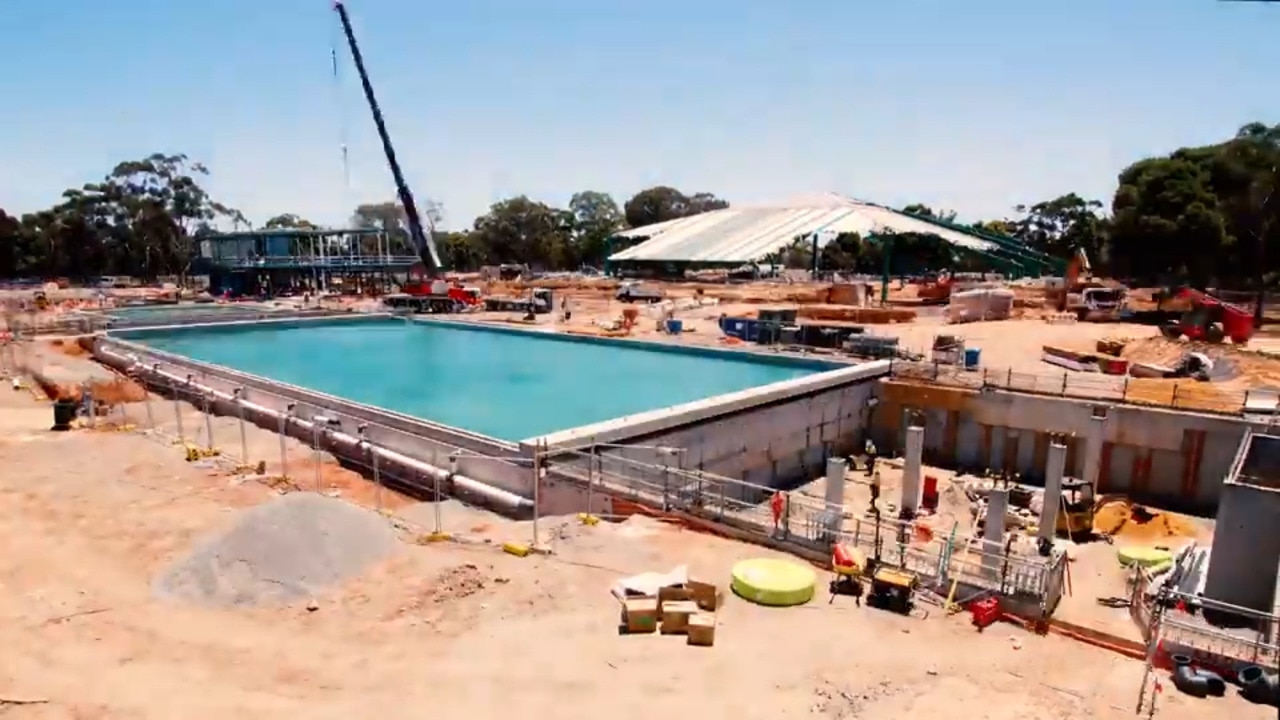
(1236, 371)
(1254, 367)
(1163, 351)
(286, 549)
(1122, 519)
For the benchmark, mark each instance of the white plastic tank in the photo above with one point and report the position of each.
(981, 304)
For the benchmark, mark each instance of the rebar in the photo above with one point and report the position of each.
(538, 448)
(208, 423)
(177, 411)
(377, 482)
(315, 447)
(591, 478)
(146, 401)
(284, 454)
(244, 437)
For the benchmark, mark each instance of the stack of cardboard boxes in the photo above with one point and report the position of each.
(688, 609)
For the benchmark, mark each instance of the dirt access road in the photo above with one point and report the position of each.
(88, 518)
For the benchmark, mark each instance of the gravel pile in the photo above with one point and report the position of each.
(283, 550)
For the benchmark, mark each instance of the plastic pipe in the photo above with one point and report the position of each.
(1188, 681)
(1258, 686)
(502, 498)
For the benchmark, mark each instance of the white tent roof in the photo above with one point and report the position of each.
(746, 234)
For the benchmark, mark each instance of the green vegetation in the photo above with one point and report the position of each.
(1202, 215)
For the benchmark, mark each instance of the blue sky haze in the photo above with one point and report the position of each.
(975, 106)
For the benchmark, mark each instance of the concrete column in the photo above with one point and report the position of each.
(833, 519)
(993, 530)
(836, 468)
(911, 469)
(1093, 451)
(1055, 466)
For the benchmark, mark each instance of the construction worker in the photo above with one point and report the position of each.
(870, 448)
(777, 506)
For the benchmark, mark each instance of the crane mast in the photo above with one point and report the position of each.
(422, 242)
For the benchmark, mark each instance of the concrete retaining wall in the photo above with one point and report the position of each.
(777, 444)
(491, 461)
(1173, 459)
(772, 436)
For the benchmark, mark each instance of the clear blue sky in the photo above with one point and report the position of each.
(974, 105)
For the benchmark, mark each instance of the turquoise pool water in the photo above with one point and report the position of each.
(503, 384)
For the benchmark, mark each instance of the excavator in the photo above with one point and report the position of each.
(426, 290)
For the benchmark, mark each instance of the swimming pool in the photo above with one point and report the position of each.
(509, 385)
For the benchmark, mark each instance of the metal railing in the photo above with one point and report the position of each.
(327, 261)
(1178, 394)
(84, 322)
(806, 524)
(1169, 630)
(221, 435)
(206, 430)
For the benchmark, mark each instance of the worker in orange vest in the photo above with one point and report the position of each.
(777, 504)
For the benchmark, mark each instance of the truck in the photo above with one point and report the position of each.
(633, 292)
(1096, 303)
(1210, 320)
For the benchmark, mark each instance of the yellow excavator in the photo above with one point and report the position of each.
(1078, 500)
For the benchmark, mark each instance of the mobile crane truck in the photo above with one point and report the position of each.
(426, 290)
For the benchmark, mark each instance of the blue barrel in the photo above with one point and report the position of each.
(674, 326)
(972, 356)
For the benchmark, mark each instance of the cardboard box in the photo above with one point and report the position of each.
(701, 628)
(675, 616)
(640, 615)
(707, 595)
(674, 593)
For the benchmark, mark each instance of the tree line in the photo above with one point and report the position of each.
(1198, 215)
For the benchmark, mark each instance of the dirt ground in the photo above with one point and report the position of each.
(454, 630)
(1005, 344)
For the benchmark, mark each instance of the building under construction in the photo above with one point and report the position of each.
(289, 261)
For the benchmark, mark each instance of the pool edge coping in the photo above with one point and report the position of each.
(614, 429)
(654, 421)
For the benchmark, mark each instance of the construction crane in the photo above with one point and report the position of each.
(422, 241)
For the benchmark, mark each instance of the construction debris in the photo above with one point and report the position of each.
(670, 604)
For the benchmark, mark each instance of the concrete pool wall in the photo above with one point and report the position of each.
(1173, 459)
(767, 435)
(493, 462)
(776, 435)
